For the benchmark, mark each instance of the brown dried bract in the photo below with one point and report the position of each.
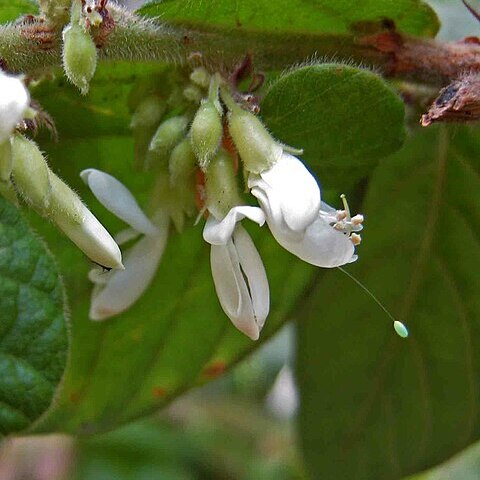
(458, 102)
(41, 33)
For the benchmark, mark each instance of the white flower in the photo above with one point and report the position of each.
(288, 194)
(237, 270)
(14, 100)
(299, 221)
(116, 291)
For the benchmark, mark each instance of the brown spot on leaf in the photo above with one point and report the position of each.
(215, 369)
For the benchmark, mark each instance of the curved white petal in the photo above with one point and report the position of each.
(219, 232)
(321, 245)
(14, 100)
(115, 197)
(254, 270)
(232, 264)
(288, 187)
(92, 238)
(125, 287)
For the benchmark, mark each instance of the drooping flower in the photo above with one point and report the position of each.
(237, 270)
(117, 290)
(314, 232)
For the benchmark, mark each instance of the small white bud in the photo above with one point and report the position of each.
(14, 101)
(54, 199)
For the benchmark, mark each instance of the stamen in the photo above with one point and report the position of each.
(356, 239)
(346, 207)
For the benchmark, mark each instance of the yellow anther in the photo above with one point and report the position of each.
(356, 239)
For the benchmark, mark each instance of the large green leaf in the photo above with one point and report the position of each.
(295, 16)
(33, 332)
(375, 406)
(337, 114)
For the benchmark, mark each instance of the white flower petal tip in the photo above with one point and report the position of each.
(93, 239)
(123, 288)
(288, 193)
(241, 283)
(116, 198)
(14, 100)
(219, 232)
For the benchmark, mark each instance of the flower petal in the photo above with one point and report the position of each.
(115, 197)
(290, 188)
(321, 245)
(219, 232)
(254, 270)
(233, 265)
(124, 288)
(14, 100)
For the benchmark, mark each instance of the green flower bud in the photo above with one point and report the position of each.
(182, 162)
(206, 133)
(31, 173)
(221, 185)
(54, 199)
(6, 164)
(168, 134)
(79, 56)
(148, 113)
(182, 166)
(193, 94)
(200, 77)
(257, 148)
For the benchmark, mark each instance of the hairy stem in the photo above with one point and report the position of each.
(33, 46)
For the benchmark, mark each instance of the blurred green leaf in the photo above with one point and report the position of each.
(176, 336)
(464, 466)
(376, 406)
(315, 16)
(33, 333)
(345, 118)
(11, 9)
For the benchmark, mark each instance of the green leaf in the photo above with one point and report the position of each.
(176, 336)
(295, 16)
(337, 114)
(33, 331)
(376, 406)
(10, 10)
(464, 466)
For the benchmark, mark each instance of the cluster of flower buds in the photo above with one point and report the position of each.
(25, 172)
(79, 49)
(195, 155)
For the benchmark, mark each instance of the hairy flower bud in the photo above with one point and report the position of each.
(54, 199)
(206, 133)
(221, 185)
(148, 113)
(257, 148)
(168, 134)
(79, 56)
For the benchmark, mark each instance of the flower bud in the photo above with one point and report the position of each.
(148, 113)
(6, 164)
(52, 198)
(257, 148)
(200, 77)
(221, 185)
(182, 162)
(206, 133)
(168, 134)
(193, 94)
(79, 56)
(31, 173)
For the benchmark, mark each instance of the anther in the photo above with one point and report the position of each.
(356, 239)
